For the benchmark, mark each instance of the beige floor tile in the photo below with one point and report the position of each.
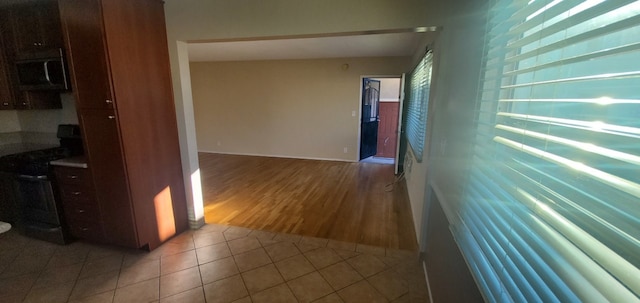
(25, 263)
(70, 258)
(310, 287)
(51, 294)
(195, 295)
(169, 249)
(243, 300)
(141, 271)
(139, 292)
(177, 262)
(225, 290)
(16, 299)
(406, 298)
(332, 298)
(95, 285)
(262, 278)
(103, 251)
(235, 232)
(281, 251)
(322, 257)
(19, 285)
(294, 267)
(105, 297)
(313, 241)
(137, 257)
(361, 292)
(346, 254)
(367, 265)
(268, 242)
(389, 283)
(213, 252)
(218, 269)
(341, 245)
(101, 265)
(252, 259)
(288, 238)
(280, 294)
(371, 250)
(184, 237)
(58, 275)
(211, 227)
(262, 235)
(180, 281)
(206, 239)
(340, 275)
(242, 245)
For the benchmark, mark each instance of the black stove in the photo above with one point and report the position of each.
(33, 163)
(33, 204)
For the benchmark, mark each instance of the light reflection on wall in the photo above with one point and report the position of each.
(164, 214)
(198, 202)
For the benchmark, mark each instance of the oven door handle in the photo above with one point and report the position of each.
(35, 178)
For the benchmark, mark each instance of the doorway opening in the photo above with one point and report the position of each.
(380, 119)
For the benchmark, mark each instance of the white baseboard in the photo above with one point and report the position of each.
(275, 156)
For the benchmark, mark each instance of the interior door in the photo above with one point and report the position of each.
(370, 118)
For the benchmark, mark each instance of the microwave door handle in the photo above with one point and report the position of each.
(46, 71)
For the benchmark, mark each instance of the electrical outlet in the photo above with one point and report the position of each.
(345, 150)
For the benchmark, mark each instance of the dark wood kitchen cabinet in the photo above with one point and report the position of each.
(6, 97)
(81, 212)
(27, 27)
(36, 25)
(120, 72)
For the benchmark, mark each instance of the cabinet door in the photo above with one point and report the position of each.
(102, 140)
(36, 26)
(83, 34)
(6, 98)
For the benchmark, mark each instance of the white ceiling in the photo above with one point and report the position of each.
(366, 45)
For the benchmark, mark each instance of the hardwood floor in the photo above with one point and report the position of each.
(343, 201)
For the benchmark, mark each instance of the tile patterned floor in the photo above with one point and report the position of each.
(213, 264)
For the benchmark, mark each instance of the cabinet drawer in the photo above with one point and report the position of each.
(70, 175)
(81, 212)
(77, 194)
(90, 230)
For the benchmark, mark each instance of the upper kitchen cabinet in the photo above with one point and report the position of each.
(88, 59)
(36, 25)
(6, 97)
(119, 61)
(27, 27)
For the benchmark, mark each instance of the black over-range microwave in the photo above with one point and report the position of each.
(42, 70)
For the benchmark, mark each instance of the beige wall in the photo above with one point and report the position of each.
(288, 108)
(222, 19)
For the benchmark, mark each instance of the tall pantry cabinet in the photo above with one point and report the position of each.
(119, 62)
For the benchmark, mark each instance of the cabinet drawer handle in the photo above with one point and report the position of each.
(80, 211)
(76, 193)
(84, 228)
(72, 177)
(108, 101)
(111, 117)
(5, 103)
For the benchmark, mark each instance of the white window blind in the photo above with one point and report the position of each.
(417, 104)
(551, 210)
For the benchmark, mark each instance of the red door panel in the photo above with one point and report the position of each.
(388, 129)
